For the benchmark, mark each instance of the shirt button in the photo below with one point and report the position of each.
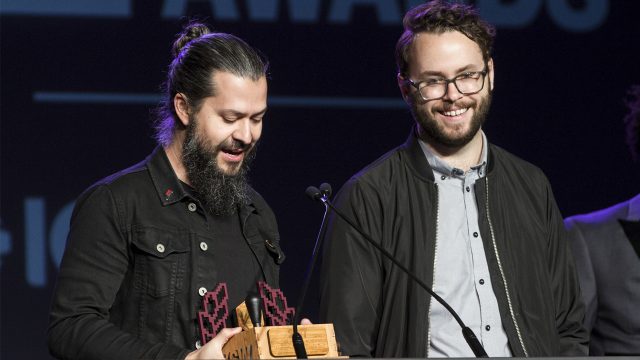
(198, 344)
(160, 248)
(468, 189)
(475, 234)
(204, 246)
(192, 207)
(488, 328)
(202, 291)
(481, 281)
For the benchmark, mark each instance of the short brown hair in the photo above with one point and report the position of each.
(439, 17)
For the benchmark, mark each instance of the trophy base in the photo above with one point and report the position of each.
(274, 342)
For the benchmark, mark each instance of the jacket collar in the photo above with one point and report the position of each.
(415, 156)
(165, 180)
(247, 210)
(634, 208)
(169, 188)
(417, 159)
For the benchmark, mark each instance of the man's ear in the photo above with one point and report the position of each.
(490, 70)
(182, 108)
(404, 87)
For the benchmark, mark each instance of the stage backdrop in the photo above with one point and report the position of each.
(80, 79)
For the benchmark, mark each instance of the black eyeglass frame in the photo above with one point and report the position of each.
(483, 73)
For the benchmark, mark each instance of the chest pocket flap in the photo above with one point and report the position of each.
(160, 243)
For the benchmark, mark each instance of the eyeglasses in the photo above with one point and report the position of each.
(435, 88)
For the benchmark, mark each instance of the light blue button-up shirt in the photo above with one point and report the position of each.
(461, 271)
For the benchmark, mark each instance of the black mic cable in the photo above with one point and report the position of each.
(298, 342)
(468, 334)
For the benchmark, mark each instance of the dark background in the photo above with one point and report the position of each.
(558, 103)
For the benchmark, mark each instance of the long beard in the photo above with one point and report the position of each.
(221, 193)
(436, 132)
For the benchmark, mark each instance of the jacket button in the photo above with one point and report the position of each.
(475, 234)
(204, 246)
(468, 189)
(481, 281)
(160, 248)
(487, 327)
(198, 344)
(202, 291)
(192, 207)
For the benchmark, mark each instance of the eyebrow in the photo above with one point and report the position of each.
(261, 112)
(440, 73)
(240, 114)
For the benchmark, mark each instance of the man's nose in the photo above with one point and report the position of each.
(243, 131)
(451, 92)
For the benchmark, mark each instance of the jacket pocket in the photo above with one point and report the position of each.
(160, 260)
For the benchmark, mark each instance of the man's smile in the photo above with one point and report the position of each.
(454, 112)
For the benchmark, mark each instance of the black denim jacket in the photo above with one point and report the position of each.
(134, 265)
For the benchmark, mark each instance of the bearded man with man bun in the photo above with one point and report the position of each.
(147, 243)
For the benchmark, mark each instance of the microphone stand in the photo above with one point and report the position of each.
(298, 342)
(467, 333)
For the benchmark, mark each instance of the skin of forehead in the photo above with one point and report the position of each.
(445, 53)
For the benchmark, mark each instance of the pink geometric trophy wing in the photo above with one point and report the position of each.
(214, 314)
(275, 305)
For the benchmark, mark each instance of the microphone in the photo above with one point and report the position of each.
(468, 334)
(298, 343)
(313, 192)
(254, 305)
(325, 189)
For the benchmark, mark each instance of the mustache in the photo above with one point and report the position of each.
(235, 146)
(446, 106)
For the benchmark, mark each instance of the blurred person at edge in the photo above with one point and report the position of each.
(147, 243)
(606, 248)
(474, 222)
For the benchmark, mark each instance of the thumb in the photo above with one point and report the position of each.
(228, 333)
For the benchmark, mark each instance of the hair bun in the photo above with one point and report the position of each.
(190, 32)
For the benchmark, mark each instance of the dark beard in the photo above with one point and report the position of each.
(430, 128)
(221, 193)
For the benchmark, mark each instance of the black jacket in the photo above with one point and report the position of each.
(133, 264)
(605, 245)
(378, 311)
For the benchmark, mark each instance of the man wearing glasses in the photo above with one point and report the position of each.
(477, 224)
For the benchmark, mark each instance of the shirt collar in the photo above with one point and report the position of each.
(440, 166)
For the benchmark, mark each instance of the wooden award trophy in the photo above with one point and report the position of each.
(273, 341)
